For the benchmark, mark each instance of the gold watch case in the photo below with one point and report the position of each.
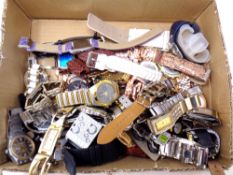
(105, 92)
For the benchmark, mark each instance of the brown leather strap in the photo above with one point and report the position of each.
(215, 168)
(117, 126)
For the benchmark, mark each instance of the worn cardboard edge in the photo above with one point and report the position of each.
(204, 9)
(229, 76)
(2, 32)
(22, 9)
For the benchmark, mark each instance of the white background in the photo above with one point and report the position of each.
(225, 8)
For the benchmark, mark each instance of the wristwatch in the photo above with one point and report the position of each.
(144, 100)
(41, 162)
(185, 150)
(196, 71)
(83, 131)
(104, 93)
(34, 76)
(38, 121)
(167, 121)
(115, 63)
(21, 148)
(158, 109)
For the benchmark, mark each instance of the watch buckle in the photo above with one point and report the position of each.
(91, 59)
(144, 101)
(40, 165)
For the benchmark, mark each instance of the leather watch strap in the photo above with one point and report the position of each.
(125, 45)
(117, 126)
(106, 29)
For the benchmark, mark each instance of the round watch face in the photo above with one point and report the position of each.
(22, 148)
(106, 93)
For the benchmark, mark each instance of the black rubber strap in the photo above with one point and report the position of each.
(94, 155)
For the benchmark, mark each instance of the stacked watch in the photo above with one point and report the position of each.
(104, 93)
(21, 148)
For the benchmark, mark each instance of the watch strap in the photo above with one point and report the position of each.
(116, 34)
(117, 126)
(165, 122)
(15, 124)
(94, 155)
(126, 45)
(158, 109)
(196, 71)
(115, 63)
(76, 97)
(185, 150)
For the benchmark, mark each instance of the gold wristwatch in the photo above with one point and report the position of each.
(103, 94)
(161, 124)
(40, 163)
(144, 100)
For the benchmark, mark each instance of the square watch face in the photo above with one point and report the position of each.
(83, 131)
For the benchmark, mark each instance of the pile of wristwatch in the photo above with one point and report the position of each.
(107, 103)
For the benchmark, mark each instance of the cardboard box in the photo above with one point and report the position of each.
(50, 20)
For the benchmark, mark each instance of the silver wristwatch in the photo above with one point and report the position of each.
(158, 109)
(21, 147)
(185, 150)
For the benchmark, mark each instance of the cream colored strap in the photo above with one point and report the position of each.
(126, 45)
(71, 98)
(116, 34)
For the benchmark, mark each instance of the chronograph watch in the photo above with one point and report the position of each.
(103, 94)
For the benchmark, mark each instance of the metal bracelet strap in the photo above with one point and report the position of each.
(47, 146)
(14, 122)
(165, 122)
(158, 109)
(185, 150)
(71, 98)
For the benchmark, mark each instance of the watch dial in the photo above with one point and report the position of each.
(22, 147)
(105, 93)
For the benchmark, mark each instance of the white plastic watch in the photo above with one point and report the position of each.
(115, 63)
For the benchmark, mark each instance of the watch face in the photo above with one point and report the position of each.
(106, 93)
(21, 148)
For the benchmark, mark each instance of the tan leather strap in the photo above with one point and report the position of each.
(117, 126)
(215, 168)
(126, 45)
(116, 34)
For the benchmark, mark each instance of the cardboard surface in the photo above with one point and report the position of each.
(220, 81)
(12, 68)
(47, 28)
(118, 10)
